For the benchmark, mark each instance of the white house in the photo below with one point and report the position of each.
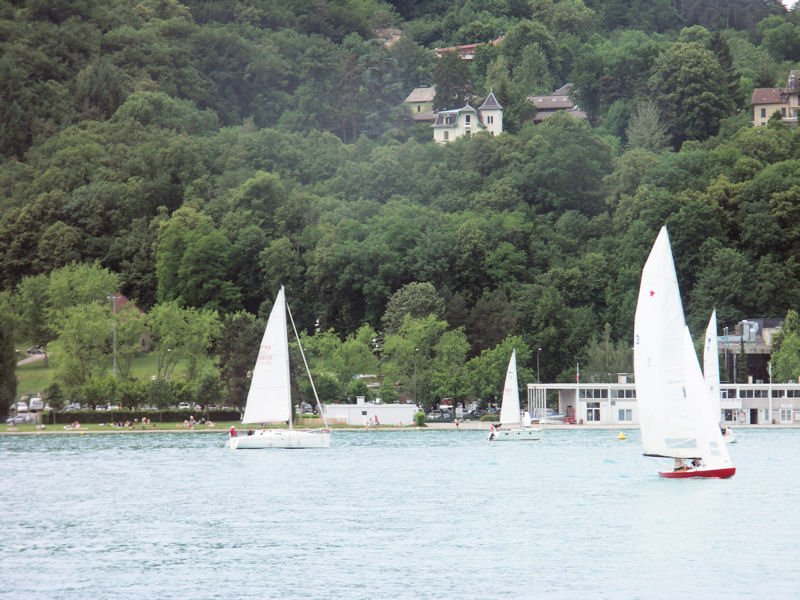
(362, 412)
(455, 123)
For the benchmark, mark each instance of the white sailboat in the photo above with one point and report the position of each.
(676, 419)
(270, 399)
(711, 374)
(511, 427)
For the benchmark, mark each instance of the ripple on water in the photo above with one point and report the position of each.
(411, 514)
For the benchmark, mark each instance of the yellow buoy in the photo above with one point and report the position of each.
(621, 436)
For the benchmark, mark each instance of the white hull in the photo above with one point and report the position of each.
(280, 438)
(514, 435)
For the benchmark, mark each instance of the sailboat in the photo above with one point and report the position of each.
(711, 374)
(510, 415)
(676, 419)
(270, 399)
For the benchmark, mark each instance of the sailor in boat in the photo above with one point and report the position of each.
(697, 463)
(680, 465)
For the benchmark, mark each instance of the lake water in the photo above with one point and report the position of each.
(393, 514)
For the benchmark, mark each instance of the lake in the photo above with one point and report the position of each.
(393, 514)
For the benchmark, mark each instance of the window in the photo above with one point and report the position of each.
(623, 393)
(419, 108)
(786, 415)
(467, 120)
(763, 113)
(445, 135)
(783, 111)
(592, 411)
(489, 119)
(594, 393)
(625, 414)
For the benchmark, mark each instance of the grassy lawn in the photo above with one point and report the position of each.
(35, 377)
(95, 427)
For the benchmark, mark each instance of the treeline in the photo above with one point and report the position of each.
(203, 154)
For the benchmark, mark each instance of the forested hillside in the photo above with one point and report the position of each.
(200, 154)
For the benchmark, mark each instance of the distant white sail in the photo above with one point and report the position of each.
(509, 409)
(711, 366)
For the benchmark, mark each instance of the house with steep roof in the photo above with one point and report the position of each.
(547, 106)
(420, 104)
(455, 123)
(767, 101)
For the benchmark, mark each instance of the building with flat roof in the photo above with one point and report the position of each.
(615, 403)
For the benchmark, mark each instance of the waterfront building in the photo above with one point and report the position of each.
(614, 404)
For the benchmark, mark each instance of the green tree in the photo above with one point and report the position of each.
(54, 396)
(605, 358)
(415, 299)
(181, 334)
(82, 348)
(691, 91)
(453, 83)
(8, 365)
(645, 129)
(236, 348)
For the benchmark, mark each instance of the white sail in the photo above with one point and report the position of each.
(711, 366)
(674, 413)
(509, 409)
(269, 399)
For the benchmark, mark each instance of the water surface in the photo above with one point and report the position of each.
(392, 514)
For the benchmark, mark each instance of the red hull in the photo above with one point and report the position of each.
(716, 473)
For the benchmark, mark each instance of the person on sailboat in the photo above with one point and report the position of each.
(233, 431)
(696, 462)
(680, 465)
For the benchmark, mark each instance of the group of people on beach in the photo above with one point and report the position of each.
(135, 424)
(190, 422)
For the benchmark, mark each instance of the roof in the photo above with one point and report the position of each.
(421, 94)
(442, 114)
(425, 116)
(767, 96)
(558, 100)
(490, 103)
(552, 102)
(541, 115)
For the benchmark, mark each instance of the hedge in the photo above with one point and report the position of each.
(156, 416)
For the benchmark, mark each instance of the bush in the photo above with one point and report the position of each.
(419, 419)
(156, 416)
(489, 418)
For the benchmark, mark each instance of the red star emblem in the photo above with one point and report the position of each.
(652, 292)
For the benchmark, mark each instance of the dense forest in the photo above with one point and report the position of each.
(196, 156)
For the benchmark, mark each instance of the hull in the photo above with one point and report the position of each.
(722, 473)
(280, 438)
(514, 435)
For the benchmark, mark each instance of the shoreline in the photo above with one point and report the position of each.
(467, 426)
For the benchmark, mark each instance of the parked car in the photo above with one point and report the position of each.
(35, 350)
(26, 418)
(22, 407)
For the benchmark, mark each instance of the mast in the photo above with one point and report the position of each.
(305, 362)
